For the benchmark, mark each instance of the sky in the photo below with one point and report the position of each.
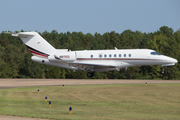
(89, 16)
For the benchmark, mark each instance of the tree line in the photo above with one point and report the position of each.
(15, 58)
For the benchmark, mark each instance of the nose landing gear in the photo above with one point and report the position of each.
(90, 74)
(163, 70)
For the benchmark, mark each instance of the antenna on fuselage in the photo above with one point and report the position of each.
(115, 48)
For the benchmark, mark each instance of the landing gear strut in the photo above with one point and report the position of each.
(163, 70)
(90, 74)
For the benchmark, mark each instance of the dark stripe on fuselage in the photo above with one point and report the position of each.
(32, 50)
(37, 53)
(119, 59)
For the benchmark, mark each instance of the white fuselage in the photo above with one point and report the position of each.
(113, 59)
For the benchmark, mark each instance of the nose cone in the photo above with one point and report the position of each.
(172, 60)
(168, 61)
(175, 61)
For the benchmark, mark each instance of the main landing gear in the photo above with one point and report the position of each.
(90, 74)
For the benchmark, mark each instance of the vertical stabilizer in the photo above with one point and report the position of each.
(37, 45)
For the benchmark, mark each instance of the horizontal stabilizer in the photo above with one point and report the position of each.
(23, 34)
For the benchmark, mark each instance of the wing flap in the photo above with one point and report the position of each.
(92, 66)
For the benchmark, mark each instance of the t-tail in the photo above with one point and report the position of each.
(37, 45)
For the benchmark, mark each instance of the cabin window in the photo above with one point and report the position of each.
(124, 55)
(100, 56)
(105, 55)
(114, 55)
(129, 55)
(110, 55)
(91, 56)
(119, 55)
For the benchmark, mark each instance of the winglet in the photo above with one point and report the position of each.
(60, 60)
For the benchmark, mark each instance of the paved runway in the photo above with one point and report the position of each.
(15, 83)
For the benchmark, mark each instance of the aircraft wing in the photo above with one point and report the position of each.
(92, 66)
(59, 59)
(87, 66)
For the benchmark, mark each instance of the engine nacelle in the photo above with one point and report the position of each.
(39, 59)
(63, 56)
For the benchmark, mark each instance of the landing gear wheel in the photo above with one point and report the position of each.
(90, 74)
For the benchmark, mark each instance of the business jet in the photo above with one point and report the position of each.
(90, 60)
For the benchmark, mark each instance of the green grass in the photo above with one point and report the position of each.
(99, 102)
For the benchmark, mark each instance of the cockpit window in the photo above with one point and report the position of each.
(155, 53)
(158, 53)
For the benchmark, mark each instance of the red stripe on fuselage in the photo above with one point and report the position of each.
(37, 53)
(109, 59)
(118, 59)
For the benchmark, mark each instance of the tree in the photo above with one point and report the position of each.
(15, 58)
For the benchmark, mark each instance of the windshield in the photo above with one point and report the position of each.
(155, 53)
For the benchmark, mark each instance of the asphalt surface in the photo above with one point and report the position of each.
(16, 83)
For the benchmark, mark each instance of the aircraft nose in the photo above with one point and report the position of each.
(175, 61)
(170, 59)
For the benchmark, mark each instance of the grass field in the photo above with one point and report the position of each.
(100, 102)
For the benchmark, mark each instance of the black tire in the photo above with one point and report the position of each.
(90, 74)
